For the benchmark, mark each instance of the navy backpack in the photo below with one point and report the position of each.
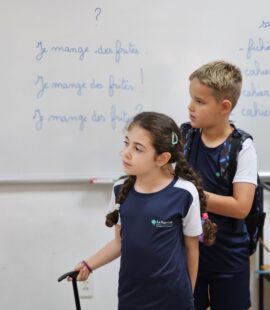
(228, 164)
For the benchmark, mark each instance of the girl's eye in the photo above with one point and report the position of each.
(138, 149)
(126, 143)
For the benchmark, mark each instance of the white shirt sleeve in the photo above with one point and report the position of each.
(112, 202)
(247, 164)
(192, 225)
(111, 205)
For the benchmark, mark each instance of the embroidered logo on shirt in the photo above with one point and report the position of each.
(161, 223)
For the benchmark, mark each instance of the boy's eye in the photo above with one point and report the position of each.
(199, 102)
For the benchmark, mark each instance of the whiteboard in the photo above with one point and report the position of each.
(73, 73)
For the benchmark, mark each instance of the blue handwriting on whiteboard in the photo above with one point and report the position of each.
(123, 84)
(258, 70)
(119, 50)
(117, 117)
(265, 24)
(97, 118)
(253, 92)
(62, 49)
(104, 50)
(43, 86)
(62, 118)
(255, 111)
(114, 85)
(78, 86)
(95, 84)
(41, 52)
(122, 116)
(71, 50)
(63, 85)
(39, 119)
(257, 46)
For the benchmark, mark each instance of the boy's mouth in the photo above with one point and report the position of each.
(192, 117)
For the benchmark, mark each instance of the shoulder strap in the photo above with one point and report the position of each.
(188, 133)
(235, 143)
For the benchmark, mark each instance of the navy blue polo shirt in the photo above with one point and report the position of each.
(153, 270)
(230, 251)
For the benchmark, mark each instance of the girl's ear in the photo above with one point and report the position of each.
(163, 159)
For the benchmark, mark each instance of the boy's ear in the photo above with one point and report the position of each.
(226, 106)
(163, 159)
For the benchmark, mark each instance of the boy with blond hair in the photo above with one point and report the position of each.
(223, 278)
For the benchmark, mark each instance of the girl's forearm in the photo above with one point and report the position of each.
(108, 253)
(192, 254)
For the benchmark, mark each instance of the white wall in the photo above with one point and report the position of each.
(44, 231)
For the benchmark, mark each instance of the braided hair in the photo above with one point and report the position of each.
(166, 137)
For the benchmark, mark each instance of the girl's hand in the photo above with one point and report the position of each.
(83, 272)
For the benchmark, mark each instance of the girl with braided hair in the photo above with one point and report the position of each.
(157, 211)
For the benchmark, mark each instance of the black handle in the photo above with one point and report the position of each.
(72, 274)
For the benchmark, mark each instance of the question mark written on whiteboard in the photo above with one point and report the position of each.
(98, 12)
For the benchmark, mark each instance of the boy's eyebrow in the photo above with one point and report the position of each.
(198, 98)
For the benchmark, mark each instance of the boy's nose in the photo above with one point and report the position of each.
(191, 106)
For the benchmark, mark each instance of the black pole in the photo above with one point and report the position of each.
(261, 259)
(76, 294)
(261, 278)
(73, 274)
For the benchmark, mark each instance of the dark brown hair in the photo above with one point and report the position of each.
(161, 128)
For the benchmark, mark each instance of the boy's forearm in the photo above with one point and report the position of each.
(222, 205)
(236, 206)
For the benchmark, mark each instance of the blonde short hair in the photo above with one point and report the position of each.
(223, 78)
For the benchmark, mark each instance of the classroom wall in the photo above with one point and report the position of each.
(45, 229)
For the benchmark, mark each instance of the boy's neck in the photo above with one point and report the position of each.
(214, 136)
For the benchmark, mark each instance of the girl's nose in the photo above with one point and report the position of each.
(126, 152)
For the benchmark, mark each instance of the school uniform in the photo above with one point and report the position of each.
(153, 270)
(224, 267)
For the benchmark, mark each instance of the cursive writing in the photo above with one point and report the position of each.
(254, 92)
(257, 46)
(255, 111)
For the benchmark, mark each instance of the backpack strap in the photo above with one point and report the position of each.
(188, 133)
(229, 153)
(232, 148)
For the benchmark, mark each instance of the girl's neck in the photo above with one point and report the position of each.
(154, 182)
